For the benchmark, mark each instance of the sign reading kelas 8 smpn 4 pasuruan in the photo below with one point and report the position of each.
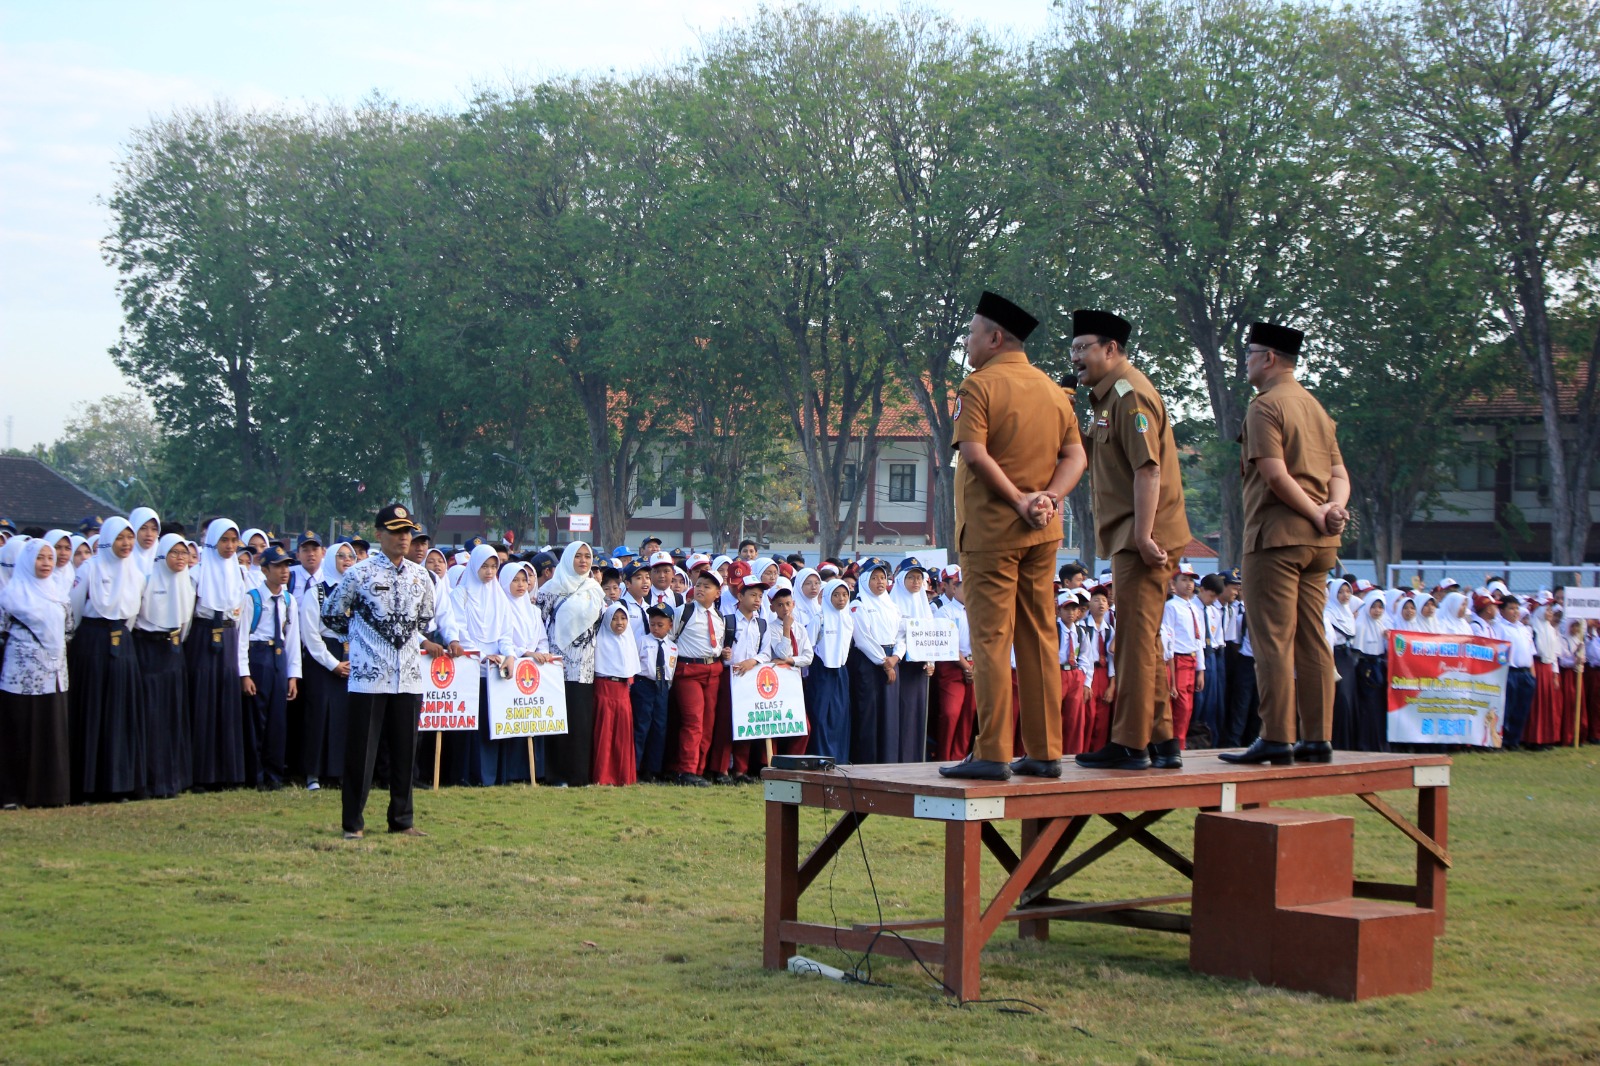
(768, 701)
(531, 702)
(1447, 688)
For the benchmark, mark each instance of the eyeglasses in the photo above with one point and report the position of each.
(1079, 349)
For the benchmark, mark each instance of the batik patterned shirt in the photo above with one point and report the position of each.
(387, 609)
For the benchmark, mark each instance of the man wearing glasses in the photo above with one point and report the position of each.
(1142, 528)
(1295, 491)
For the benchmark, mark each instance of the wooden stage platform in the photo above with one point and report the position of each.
(1053, 813)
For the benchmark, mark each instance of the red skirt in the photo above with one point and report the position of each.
(1544, 720)
(613, 762)
(1100, 707)
(1569, 703)
(1074, 714)
(955, 710)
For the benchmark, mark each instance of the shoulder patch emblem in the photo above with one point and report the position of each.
(957, 415)
(1141, 423)
(1122, 388)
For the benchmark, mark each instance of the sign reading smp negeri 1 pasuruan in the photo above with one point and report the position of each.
(449, 694)
(768, 701)
(531, 702)
(1446, 688)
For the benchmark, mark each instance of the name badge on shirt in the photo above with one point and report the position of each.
(380, 588)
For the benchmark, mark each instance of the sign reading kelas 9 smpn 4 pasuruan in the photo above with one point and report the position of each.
(450, 696)
(1446, 688)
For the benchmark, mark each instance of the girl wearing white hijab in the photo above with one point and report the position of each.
(107, 698)
(571, 601)
(8, 557)
(528, 640)
(827, 685)
(211, 655)
(35, 752)
(147, 533)
(483, 614)
(1452, 617)
(166, 611)
(1372, 674)
(808, 600)
(616, 661)
(874, 662)
(911, 600)
(325, 666)
(1340, 624)
(64, 571)
(256, 541)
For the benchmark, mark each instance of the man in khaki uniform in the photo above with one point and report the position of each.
(1019, 454)
(1142, 527)
(1295, 491)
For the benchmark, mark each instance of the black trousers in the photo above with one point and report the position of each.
(373, 716)
(1242, 720)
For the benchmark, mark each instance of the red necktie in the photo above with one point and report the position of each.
(1195, 621)
(711, 634)
(794, 642)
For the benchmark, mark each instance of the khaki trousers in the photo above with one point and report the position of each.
(1011, 601)
(1142, 714)
(1285, 590)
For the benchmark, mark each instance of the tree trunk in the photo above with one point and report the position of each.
(944, 495)
(1081, 500)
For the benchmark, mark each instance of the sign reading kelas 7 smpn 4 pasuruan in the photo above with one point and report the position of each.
(768, 701)
(1447, 688)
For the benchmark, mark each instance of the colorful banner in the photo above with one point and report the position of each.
(450, 695)
(768, 701)
(531, 702)
(936, 640)
(1447, 688)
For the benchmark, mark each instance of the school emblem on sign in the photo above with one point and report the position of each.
(1400, 645)
(527, 677)
(444, 671)
(767, 682)
(1141, 423)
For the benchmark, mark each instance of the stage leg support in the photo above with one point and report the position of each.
(783, 882)
(963, 933)
(1433, 818)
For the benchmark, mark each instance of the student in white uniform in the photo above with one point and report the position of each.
(269, 670)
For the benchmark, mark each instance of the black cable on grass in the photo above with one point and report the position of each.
(1021, 1006)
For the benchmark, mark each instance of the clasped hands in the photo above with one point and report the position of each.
(1331, 519)
(1038, 509)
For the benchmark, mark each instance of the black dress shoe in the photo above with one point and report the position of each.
(1115, 757)
(691, 780)
(1166, 755)
(1313, 751)
(1028, 767)
(978, 769)
(719, 779)
(1275, 752)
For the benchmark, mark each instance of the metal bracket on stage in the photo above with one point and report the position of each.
(946, 809)
(782, 791)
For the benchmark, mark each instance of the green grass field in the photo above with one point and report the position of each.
(611, 925)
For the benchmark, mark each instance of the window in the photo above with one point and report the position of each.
(668, 493)
(1528, 466)
(902, 482)
(1474, 473)
(847, 487)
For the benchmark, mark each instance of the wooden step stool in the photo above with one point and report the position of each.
(1272, 903)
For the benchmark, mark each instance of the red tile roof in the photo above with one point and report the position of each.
(1521, 400)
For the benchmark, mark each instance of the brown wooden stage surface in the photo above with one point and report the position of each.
(1053, 813)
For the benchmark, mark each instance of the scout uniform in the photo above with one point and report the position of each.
(1024, 420)
(1286, 561)
(1128, 428)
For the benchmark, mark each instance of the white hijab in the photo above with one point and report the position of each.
(168, 597)
(38, 603)
(328, 572)
(483, 609)
(527, 623)
(63, 573)
(877, 615)
(615, 654)
(110, 585)
(1449, 619)
(221, 584)
(1371, 634)
(835, 628)
(8, 557)
(575, 598)
(144, 557)
(1338, 615)
(912, 605)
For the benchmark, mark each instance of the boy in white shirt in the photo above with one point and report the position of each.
(658, 658)
(269, 671)
(789, 646)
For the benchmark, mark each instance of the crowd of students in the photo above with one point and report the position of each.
(139, 663)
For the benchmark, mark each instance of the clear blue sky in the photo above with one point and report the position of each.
(77, 75)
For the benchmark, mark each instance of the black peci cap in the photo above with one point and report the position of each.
(1278, 338)
(1103, 323)
(1007, 315)
(395, 518)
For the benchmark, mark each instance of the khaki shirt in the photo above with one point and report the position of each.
(1286, 422)
(1023, 418)
(1127, 428)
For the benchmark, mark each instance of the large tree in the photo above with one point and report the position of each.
(1499, 100)
(1204, 136)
